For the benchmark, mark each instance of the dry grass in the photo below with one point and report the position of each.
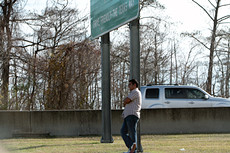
(192, 143)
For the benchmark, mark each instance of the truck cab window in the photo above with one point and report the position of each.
(152, 93)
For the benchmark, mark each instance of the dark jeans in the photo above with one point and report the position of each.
(129, 130)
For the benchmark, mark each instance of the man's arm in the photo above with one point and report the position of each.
(127, 101)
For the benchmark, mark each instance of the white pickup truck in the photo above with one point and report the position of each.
(179, 96)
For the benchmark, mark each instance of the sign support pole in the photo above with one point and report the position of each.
(135, 64)
(106, 95)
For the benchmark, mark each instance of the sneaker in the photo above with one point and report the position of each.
(133, 148)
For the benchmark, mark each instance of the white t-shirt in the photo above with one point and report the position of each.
(134, 107)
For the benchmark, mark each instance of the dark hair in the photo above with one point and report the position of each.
(134, 81)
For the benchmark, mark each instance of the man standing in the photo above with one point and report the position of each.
(131, 115)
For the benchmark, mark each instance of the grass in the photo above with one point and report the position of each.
(191, 143)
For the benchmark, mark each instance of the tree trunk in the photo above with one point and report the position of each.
(227, 72)
(171, 65)
(212, 49)
(176, 67)
(5, 81)
(6, 49)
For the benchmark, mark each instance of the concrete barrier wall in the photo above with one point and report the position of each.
(176, 121)
(78, 123)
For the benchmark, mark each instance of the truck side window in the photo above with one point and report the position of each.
(152, 93)
(183, 93)
(175, 93)
(195, 94)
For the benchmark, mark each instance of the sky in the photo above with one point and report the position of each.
(189, 16)
(185, 13)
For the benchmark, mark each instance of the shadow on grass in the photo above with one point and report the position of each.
(58, 145)
(31, 147)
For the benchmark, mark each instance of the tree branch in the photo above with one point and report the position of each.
(224, 5)
(204, 10)
(211, 3)
(223, 18)
(191, 35)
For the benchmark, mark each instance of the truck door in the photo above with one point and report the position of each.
(197, 98)
(175, 98)
(152, 99)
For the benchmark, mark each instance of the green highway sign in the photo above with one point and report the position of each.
(107, 15)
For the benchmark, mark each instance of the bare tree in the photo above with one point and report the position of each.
(119, 73)
(155, 59)
(216, 5)
(58, 25)
(188, 66)
(8, 16)
(222, 54)
(228, 68)
(53, 63)
(173, 62)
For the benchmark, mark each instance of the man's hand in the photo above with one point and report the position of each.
(127, 101)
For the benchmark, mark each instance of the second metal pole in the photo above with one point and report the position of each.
(135, 64)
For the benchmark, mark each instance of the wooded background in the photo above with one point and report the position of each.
(49, 62)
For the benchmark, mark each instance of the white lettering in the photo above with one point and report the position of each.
(123, 8)
(120, 10)
(131, 3)
(96, 23)
(109, 16)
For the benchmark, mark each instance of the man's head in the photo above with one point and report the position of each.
(133, 84)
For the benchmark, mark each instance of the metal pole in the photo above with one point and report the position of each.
(135, 64)
(106, 95)
(134, 50)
